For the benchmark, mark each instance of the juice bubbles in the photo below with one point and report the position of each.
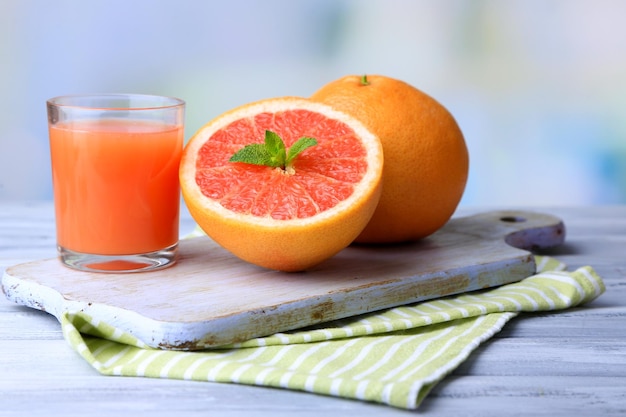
(116, 185)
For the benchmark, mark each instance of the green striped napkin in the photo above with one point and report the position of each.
(393, 357)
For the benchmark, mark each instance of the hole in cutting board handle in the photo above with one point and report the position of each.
(513, 219)
(532, 231)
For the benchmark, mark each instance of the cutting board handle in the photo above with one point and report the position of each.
(521, 229)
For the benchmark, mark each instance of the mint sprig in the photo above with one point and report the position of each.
(273, 152)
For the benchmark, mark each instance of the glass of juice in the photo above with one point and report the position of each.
(115, 161)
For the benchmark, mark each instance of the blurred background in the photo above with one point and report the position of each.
(537, 86)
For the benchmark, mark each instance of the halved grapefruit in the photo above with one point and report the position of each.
(286, 218)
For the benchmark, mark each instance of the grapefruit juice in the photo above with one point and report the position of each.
(116, 185)
(115, 160)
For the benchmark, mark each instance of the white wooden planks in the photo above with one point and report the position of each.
(40, 374)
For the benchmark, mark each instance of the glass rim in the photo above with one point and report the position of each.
(74, 101)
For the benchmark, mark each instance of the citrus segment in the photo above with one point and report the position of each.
(426, 158)
(286, 219)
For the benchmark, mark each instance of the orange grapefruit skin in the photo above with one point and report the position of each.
(289, 245)
(426, 157)
(288, 249)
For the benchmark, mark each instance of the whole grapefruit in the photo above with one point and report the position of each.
(426, 157)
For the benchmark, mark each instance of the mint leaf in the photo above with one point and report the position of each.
(273, 152)
(276, 148)
(297, 148)
(255, 153)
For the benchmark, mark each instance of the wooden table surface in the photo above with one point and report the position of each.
(566, 363)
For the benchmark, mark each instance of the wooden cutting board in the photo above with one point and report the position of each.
(210, 298)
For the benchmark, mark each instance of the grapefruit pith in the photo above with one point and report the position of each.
(283, 219)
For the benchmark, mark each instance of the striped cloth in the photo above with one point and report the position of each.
(393, 357)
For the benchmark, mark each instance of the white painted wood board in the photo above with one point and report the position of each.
(211, 298)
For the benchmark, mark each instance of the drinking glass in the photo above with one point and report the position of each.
(115, 161)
